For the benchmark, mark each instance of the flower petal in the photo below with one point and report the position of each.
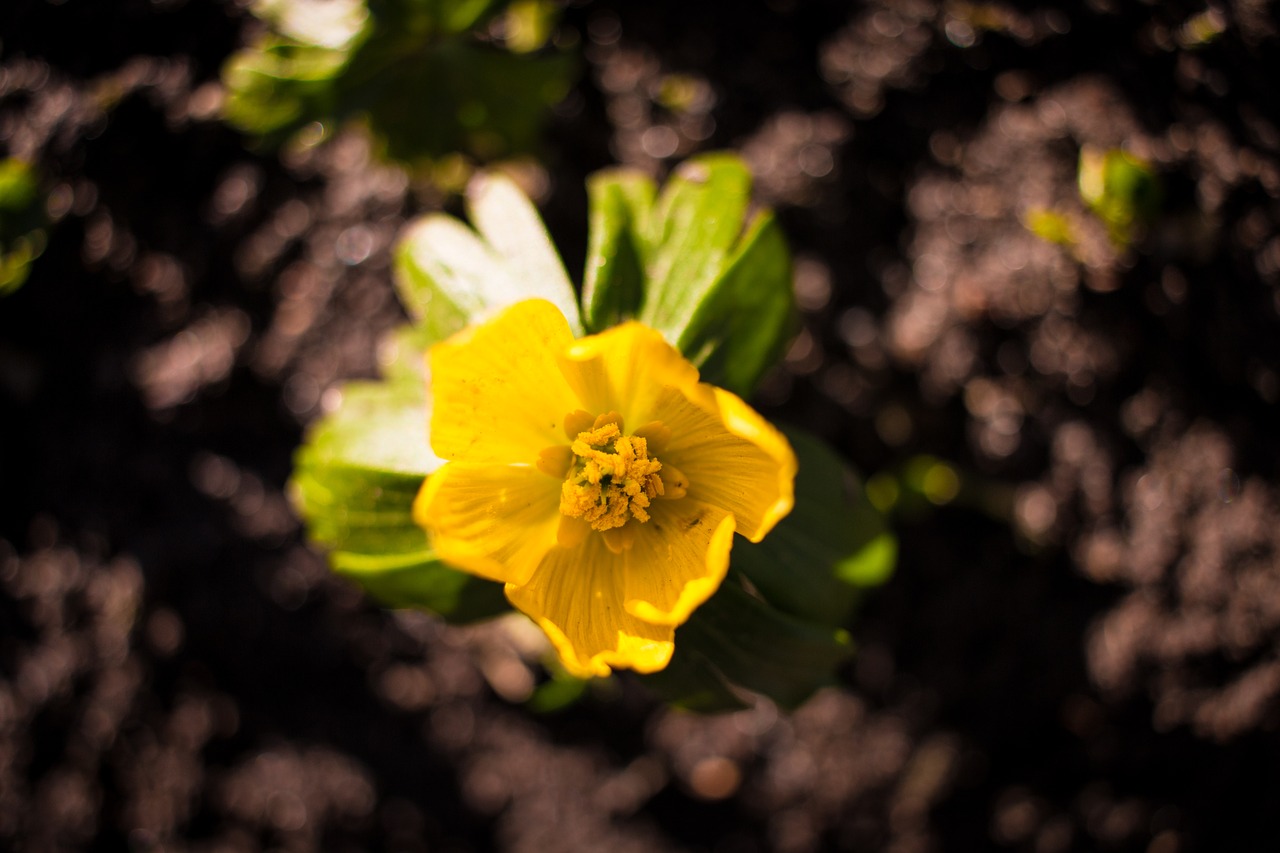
(499, 393)
(733, 458)
(624, 369)
(576, 596)
(496, 521)
(679, 558)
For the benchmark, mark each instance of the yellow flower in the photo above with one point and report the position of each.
(596, 478)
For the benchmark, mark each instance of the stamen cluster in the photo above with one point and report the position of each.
(612, 479)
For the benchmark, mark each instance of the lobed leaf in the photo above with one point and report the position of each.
(691, 265)
(409, 69)
(620, 202)
(693, 231)
(741, 327)
(448, 276)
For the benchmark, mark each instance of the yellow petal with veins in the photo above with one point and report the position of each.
(577, 597)
(677, 561)
(496, 521)
(499, 395)
(731, 457)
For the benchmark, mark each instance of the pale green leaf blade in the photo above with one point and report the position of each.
(378, 427)
(447, 277)
(354, 482)
(510, 224)
(423, 582)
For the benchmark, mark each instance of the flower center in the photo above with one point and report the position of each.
(612, 478)
(609, 477)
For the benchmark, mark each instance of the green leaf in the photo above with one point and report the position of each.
(378, 427)
(409, 69)
(276, 86)
(424, 101)
(1121, 190)
(693, 267)
(427, 584)
(775, 626)
(22, 221)
(694, 229)
(758, 648)
(742, 325)
(691, 682)
(445, 275)
(510, 224)
(18, 186)
(355, 480)
(449, 277)
(619, 203)
(815, 564)
(459, 16)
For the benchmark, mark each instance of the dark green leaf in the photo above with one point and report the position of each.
(410, 69)
(815, 563)
(741, 327)
(692, 267)
(557, 693)
(760, 649)
(690, 682)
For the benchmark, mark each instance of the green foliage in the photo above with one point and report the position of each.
(1119, 189)
(450, 276)
(717, 283)
(694, 264)
(22, 220)
(1051, 226)
(355, 480)
(413, 70)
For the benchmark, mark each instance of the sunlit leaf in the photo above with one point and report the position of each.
(745, 321)
(448, 276)
(620, 202)
(694, 229)
(354, 482)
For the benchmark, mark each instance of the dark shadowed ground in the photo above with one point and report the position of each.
(1082, 652)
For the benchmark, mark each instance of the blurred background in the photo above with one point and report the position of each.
(1037, 256)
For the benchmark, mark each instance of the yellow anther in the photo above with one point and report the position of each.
(610, 418)
(577, 421)
(556, 461)
(656, 434)
(675, 482)
(619, 539)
